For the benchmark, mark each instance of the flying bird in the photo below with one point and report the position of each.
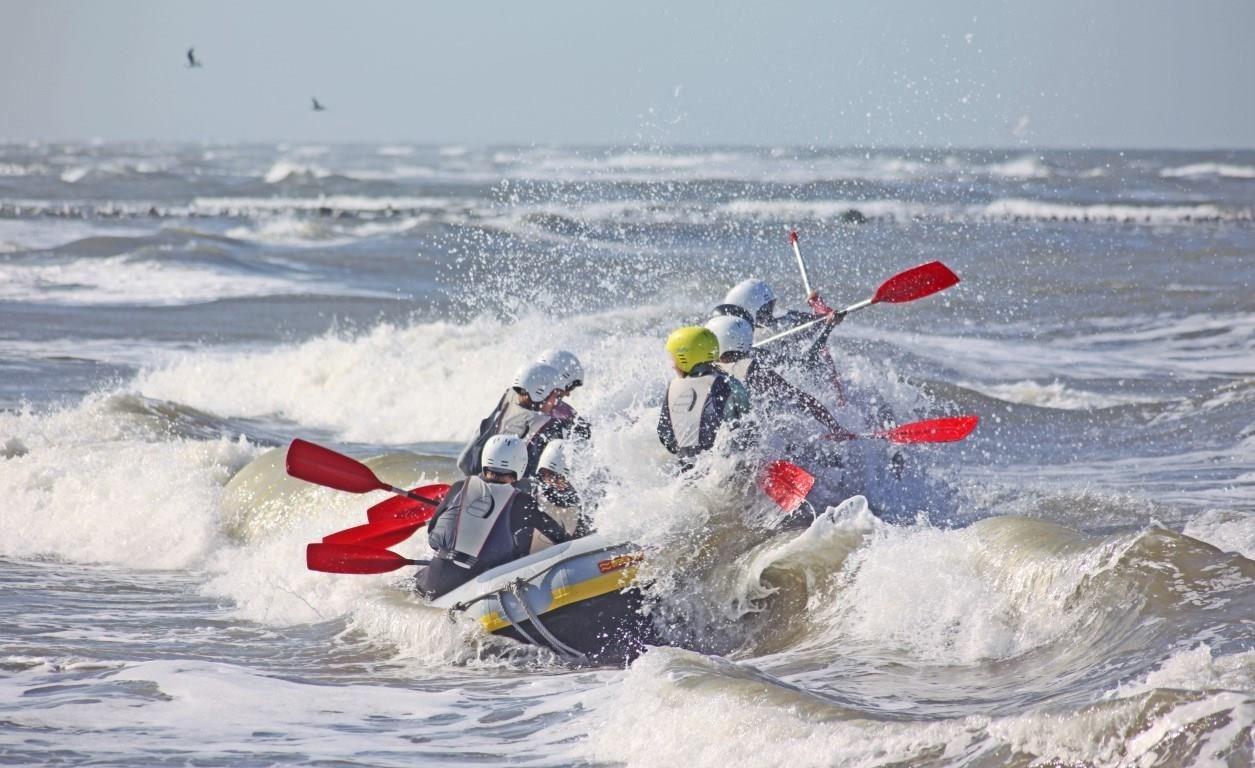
(192, 63)
(317, 107)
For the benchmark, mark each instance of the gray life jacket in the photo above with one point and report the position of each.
(690, 407)
(521, 422)
(509, 418)
(568, 517)
(481, 512)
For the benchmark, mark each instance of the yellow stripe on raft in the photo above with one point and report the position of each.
(573, 593)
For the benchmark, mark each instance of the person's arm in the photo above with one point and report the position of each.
(781, 388)
(549, 528)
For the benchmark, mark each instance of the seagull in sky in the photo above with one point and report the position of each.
(192, 63)
(317, 107)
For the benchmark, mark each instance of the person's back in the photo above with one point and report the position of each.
(527, 411)
(701, 398)
(485, 520)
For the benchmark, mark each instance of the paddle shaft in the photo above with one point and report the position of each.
(410, 494)
(801, 264)
(809, 323)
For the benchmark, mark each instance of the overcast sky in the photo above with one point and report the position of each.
(1072, 73)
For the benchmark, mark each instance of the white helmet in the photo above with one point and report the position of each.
(537, 380)
(556, 458)
(567, 364)
(505, 453)
(750, 295)
(734, 334)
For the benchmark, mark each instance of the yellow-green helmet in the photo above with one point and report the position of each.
(691, 346)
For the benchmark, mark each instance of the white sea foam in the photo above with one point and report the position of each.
(83, 488)
(746, 717)
(1026, 167)
(123, 281)
(1053, 395)
(1017, 209)
(244, 206)
(1225, 529)
(284, 170)
(1220, 170)
(74, 175)
(984, 592)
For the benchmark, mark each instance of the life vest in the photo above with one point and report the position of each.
(568, 517)
(508, 418)
(695, 411)
(738, 369)
(475, 524)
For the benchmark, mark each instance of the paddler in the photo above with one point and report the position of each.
(526, 411)
(485, 520)
(572, 376)
(556, 496)
(701, 398)
(737, 359)
(755, 302)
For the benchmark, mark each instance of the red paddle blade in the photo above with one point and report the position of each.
(933, 430)
(323, 466)
(381, 535)
(787, 484)
(402, 508)
(916, 283)
(346, 558)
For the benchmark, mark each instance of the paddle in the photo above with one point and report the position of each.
(946, 430)
(786, 484)
(404, 508)
(323, 466)
(914, 283)
(346, 558)
(932, 431)
(379, 535)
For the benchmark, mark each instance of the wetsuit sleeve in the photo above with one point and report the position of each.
(528, 518)
(444, 504)
(666, 433)
(779, 387)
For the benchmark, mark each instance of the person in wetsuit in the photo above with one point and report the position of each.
(571, 375)
(701, 398)
(556, 496)
(529, 411)
(754, 301)
(737, 359)
(485, 520)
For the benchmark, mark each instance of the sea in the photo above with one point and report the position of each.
(1072, 585)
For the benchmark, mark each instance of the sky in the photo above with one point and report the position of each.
(889, 73)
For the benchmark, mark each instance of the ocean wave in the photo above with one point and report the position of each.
(1226, 529)
(748, 716)
(127, 281)
(1019, 209)
(1219, 170)
(1026, 167)
(285, 170)
(1054, 395)
(83, 489)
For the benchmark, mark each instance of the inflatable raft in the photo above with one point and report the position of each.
(579, 598)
